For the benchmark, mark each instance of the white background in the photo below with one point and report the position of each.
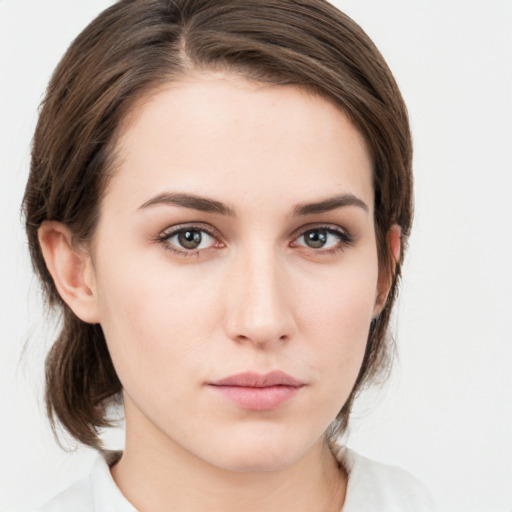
(446, 415)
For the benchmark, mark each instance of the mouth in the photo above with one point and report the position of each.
(258, 392)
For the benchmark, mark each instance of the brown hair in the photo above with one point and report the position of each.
(137, 45)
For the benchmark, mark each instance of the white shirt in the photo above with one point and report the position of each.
(372, 487)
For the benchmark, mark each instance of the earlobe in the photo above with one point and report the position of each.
(386, 275)
(395, 242)
(71, 270)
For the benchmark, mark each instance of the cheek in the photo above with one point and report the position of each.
(337, 317)
(156, 321)
(344, 296)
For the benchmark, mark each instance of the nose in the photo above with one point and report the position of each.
(259, 301)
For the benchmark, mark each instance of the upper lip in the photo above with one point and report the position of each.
(258, 380)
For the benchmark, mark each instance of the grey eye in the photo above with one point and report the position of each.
(316, 238)
(320, 238)
(190, 238)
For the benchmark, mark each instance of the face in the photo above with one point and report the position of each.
(235, 269)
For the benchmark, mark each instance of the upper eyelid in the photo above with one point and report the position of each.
(165, 236)
(343, 238)
(199, 226)
(210, 230)
(330, 227)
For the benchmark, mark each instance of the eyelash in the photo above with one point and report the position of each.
(345, 239)
(166, 235)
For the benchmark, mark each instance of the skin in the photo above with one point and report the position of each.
(253, 297)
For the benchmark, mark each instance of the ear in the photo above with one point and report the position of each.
(71, 270)
(394, 237)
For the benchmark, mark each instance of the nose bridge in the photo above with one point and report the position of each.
(259, 310)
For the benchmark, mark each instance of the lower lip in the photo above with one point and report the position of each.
(257, 399)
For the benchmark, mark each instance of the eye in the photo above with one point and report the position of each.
(188, 239)
(323, 238)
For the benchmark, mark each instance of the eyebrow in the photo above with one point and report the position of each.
(329, 204)
(206, 204)
(203, 204)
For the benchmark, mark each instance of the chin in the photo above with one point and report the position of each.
(259, 453)
(257, 462)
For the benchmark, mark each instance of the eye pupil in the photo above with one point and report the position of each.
(316, 239)
(190, 239)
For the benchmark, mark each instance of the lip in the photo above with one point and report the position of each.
(258, 392)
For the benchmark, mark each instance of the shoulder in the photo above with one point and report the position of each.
(376, 487)
(95, 493)
(78, 496)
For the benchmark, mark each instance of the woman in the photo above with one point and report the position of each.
(219, 201)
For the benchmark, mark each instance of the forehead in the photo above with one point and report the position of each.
(222, 135)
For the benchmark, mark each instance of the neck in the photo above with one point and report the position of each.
(156, 474)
